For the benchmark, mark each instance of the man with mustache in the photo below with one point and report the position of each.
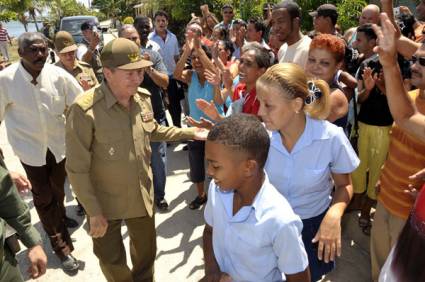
(33, 99)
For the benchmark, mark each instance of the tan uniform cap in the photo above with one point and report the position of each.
(123, 54)
(64, 42)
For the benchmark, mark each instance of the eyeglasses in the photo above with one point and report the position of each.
(35, 50)
(421, 60)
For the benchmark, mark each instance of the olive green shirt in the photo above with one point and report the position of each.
(15, 213)
(81, 71)
(108, 152)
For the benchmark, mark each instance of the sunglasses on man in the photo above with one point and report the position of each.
(421, 60)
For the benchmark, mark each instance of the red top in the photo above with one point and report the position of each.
(251, 104)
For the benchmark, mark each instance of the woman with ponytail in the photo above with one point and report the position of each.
(308, 156)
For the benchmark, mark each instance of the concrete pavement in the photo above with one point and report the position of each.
(179, 234)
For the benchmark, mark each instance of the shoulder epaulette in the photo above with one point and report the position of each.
(84, 64)
(89, 98)
(143, 92)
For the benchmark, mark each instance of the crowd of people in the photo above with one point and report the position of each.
(294, 129)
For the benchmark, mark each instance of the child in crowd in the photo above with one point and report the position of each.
(251, 232)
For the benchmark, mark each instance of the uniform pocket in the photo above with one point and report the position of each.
(148, 126)
(110, 145)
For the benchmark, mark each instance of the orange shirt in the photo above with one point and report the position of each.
(406, 156)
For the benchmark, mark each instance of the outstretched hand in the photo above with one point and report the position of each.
(208, 108)
(386, 42)
(202, 123)
(201, 134)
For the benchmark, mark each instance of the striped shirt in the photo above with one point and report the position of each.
(406, 156)
(4, 36)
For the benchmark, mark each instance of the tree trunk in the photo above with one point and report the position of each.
(35, 22)
(24, 22)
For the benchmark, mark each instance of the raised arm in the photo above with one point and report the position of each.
(179, 72)
(401, 107)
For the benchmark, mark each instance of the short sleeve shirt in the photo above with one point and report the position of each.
(261, 242)
(303, 176)
(168, 49)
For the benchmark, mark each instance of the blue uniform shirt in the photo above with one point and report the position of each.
(260, 242)
(303, 176)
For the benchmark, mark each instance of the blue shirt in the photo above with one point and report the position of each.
(168, 49)
(260, 242)
(303, 176)
(198, 91)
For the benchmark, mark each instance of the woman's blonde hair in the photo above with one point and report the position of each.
(293, 82)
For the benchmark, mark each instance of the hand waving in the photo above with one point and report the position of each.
(386, 43)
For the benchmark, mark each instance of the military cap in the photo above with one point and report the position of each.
(64, 42)
(123, 54)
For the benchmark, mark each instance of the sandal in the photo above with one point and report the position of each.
(198, 202)
(364, 222)
(366, 230)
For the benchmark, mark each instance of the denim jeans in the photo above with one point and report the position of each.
(159, 167)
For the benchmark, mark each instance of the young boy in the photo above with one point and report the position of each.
(251, 232)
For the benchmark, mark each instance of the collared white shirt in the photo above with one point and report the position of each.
(168, 49)
(260, 242)
(303, 176)
(34, 114)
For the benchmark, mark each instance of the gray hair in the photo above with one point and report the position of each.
(262, 55)
(124, 27)
(27, 38)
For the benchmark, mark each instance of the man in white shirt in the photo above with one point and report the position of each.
(286, 23)
(33, 98)
(169, 50)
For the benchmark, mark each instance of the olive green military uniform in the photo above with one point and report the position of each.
(108, 164)
(81, 71)
(64, 43)
(17, 214)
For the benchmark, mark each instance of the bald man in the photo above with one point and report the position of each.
(370, 14)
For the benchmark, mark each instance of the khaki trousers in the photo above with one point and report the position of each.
(385, 230)
(111, 252)
(373, 146)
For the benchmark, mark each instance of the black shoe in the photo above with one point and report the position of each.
(185, 148)
(198, 202)
(70, 223)
(161, 204)
(70, 264)
(80, 210)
